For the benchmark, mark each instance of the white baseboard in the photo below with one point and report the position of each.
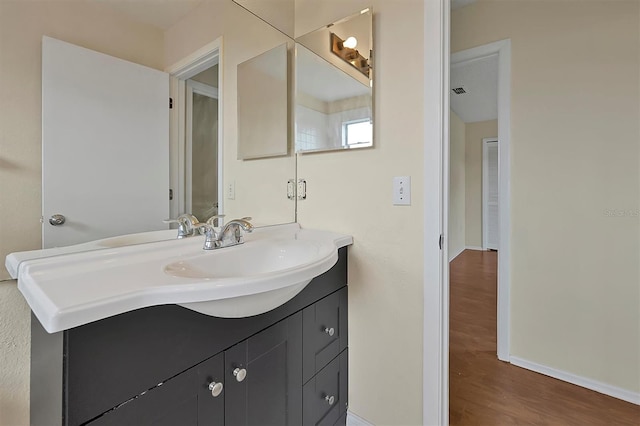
(474, 248)
(353, 420)
(456, 254)
(623, 394)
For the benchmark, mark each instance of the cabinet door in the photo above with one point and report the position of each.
(325, 332)
(182, 400)
(263, 377)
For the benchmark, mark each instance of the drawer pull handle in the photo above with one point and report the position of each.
(330, 399)
(215, 388)
(240, 374)
(330, 331)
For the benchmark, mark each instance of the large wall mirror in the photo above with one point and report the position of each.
(202, 169)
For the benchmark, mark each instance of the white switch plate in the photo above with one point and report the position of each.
(231, 190)
(402, 191)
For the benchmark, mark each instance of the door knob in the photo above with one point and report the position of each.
(240, 374)
(215, 388)
(57, 220)
(330, 331)
(330, 399)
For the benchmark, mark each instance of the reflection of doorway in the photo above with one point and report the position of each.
(196, 152)
(201, 180)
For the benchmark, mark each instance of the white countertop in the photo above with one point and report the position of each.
(72, 289)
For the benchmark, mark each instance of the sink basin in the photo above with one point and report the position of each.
(272, 266)
(255, 259)
(265, 262)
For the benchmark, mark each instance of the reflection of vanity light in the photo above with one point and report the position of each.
(350, 42)
(363, 11)
(348, 54)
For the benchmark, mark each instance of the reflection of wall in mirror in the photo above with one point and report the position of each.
(321, 125)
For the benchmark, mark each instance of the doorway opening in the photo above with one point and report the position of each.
(196, 133)
(480, 56)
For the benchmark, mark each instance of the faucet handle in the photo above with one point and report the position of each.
(214, 218)
(186, 224)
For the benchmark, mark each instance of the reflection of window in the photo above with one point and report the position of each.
(357, 132)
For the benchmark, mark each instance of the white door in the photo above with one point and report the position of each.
(490, 191)
(105, 145)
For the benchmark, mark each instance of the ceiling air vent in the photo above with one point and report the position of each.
(459, 90)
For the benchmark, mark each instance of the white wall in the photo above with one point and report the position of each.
(475, 132)
(22, 25)
(350, 192)
(575, 184)
(457, 185)
(260, 185)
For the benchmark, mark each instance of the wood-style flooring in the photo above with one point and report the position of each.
(485, 391)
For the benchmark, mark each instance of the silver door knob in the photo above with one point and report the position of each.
(330, 331)
(215, 388)
(57, 220)
(240, 374)
(330, 399)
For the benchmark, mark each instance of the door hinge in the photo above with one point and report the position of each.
(170, 194)
(441, 241)
(170, 103)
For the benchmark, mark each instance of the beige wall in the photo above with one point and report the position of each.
(457, 183)
(350, 192)
(260, 185)
(22, 25)
(475, 132)
(575, 181)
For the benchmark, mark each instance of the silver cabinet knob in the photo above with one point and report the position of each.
(57, 220)
(330, 399)
(330, 331)
(215, 388)
(240, 374)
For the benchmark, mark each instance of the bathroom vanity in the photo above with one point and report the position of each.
(170, 365)
(166, 333)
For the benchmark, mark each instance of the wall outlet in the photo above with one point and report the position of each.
(231, 190)
(402, 191)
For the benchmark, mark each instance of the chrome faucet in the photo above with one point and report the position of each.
(187, 225)
(230, 235)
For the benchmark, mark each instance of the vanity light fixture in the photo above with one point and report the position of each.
(348, 54)
(351, 42)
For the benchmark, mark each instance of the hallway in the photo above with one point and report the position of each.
(485, 391)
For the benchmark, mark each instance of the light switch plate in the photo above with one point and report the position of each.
(402, 191)
(231, 190)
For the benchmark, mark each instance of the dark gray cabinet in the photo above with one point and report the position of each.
(158, 365)
(264, 377)
(182, 400)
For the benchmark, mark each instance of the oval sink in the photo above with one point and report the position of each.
(290, 263)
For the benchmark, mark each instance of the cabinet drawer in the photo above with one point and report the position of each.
(325, 332)
(325, 395)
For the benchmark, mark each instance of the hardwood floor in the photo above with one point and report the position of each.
(485, 391)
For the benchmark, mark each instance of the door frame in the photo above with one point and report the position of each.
(435, 339)
(503, 49)
(198, 61)
(485, 191)
(192, 87)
